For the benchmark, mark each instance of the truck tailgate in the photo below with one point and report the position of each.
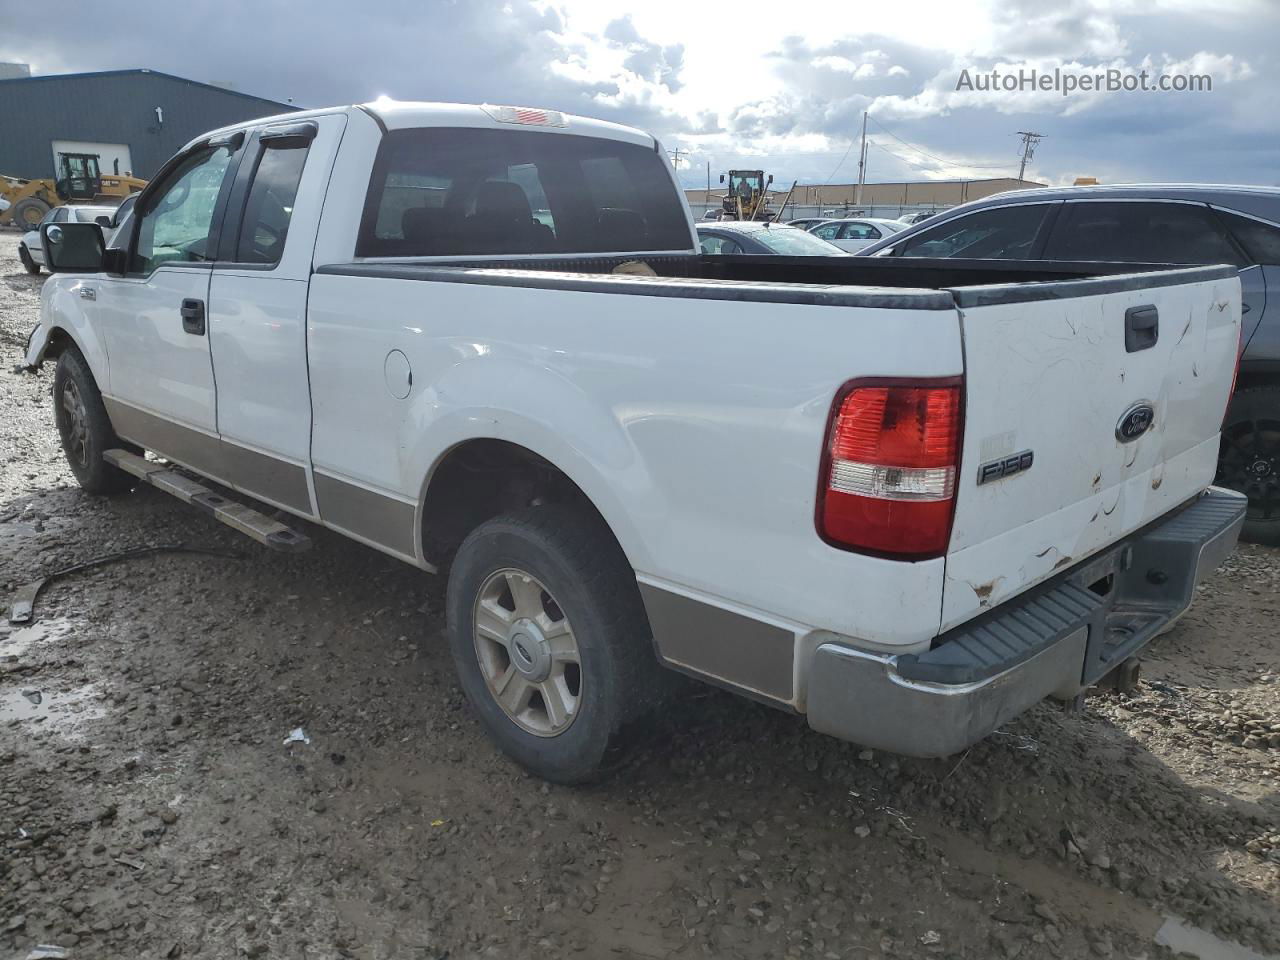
(1056, 375)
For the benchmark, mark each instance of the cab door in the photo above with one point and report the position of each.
(160, 386)
(258, 310)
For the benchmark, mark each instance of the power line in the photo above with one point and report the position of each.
(951, 162)
(840, 164)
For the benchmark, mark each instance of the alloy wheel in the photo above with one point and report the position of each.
(75, 424)
(528, 653)
(1250, 463)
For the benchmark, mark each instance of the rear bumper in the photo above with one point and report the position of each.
(1054, 640)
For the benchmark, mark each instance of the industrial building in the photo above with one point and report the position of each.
(133, 120)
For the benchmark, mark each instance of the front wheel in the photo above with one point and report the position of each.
(84, 427)
(28, 264)
(1249, 459)
(550, 639)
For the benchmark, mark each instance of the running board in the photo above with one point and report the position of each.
(268, 532)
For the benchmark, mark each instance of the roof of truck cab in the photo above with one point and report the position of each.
(406, 114)
(400, 114)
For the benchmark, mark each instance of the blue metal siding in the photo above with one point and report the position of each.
(114, 107)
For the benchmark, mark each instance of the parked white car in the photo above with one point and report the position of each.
(905, 508)
(854, 233)
(30, 248)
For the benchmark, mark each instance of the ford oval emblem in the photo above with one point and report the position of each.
(1135, 422)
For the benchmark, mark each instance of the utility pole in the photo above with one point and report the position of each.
(677, 155)
(708, 181)
(862, 162)
(1029, 141)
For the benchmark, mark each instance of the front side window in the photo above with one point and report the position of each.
(269, 206)
(178, 221)
(828, 231)
(461, 192)
(1118, 232)
(1005, 233)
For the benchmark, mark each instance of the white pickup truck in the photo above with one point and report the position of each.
(906, 501)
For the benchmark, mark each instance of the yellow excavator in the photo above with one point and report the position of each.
(747, 198)
(79, 179)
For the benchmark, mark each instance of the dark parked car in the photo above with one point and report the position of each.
(1152, 223)
(755, 237)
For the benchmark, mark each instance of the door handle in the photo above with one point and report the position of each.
(1141, 328)
(193, 317)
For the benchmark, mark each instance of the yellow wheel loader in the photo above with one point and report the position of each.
(78, 179)
(747, 198)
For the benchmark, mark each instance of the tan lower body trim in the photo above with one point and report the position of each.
(373, 516)
(720, 644)
(248, 471)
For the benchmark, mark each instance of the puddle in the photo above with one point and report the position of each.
(21, 639)
(1182, 938)
(64, 712)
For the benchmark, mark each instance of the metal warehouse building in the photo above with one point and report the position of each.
(134, 120)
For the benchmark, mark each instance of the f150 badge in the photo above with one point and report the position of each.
(1005, 467)
(1135, 421)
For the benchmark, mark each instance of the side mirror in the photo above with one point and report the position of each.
(722, 178)
(72, 247)
(770, 180)
(103, 221)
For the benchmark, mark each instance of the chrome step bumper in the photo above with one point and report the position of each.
(1055, 640)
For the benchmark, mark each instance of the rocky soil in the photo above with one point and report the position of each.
(153, 804)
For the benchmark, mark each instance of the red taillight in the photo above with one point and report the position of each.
(889, 468)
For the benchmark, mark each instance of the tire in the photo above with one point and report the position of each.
(569, 561)
(29, 211)
(28, 264)
(1249, 459)
(84, 427)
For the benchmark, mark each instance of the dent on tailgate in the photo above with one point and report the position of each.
(1048, 383)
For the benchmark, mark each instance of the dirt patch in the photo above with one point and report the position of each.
(150, 807)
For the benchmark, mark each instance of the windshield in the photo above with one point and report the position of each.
(791, 242)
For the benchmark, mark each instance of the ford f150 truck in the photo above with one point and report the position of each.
(906, 501)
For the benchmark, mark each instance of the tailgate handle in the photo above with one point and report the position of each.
(1141, 328)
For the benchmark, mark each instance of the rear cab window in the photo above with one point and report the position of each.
(462, 192)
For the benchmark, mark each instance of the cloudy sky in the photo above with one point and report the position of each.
(780, 85)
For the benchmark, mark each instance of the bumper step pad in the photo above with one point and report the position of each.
(258, 526)
(1124, 596)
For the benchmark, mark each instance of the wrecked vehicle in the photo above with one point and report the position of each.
(906, 500)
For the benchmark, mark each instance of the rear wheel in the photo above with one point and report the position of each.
(28, 264)
(29, 211)
(1249, 459)
(84, 427)
(550, 639)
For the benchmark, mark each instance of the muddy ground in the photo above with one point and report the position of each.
(150, 807)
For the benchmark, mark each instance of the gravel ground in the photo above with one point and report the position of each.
(150, 807)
